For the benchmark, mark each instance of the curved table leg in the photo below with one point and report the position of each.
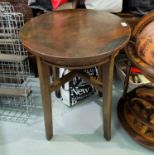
(44, 76)
(107, 96)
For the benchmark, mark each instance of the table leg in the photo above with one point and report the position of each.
(126, 81)
(100, 75)
(107, 96)
(44, 76)
(55, 72)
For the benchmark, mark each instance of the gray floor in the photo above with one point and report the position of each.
(77, 131)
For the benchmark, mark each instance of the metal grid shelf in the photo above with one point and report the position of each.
(15, 90)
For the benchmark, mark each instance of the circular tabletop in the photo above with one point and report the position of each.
(75, 37)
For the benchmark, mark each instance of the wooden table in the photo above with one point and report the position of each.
(75, 39)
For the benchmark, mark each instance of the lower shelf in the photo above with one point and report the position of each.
(15, 92)
(12, 58)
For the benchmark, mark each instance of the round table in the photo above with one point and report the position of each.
(76, 40)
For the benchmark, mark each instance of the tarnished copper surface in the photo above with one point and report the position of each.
(73, 35)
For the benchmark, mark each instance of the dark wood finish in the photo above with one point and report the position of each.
(136, 109)
(44, 76)
(148, 70)
(56, 40)
(143, 23)
(55, 72)
(107, 93)
(126, 81)
(100, 75)
(61, 81)
(136, 113)
(75, 39)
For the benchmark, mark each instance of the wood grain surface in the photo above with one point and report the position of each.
(73, 35)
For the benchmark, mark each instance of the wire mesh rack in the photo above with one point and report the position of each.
(6, 7)
(15, 89)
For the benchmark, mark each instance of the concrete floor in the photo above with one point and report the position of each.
(77, 131)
